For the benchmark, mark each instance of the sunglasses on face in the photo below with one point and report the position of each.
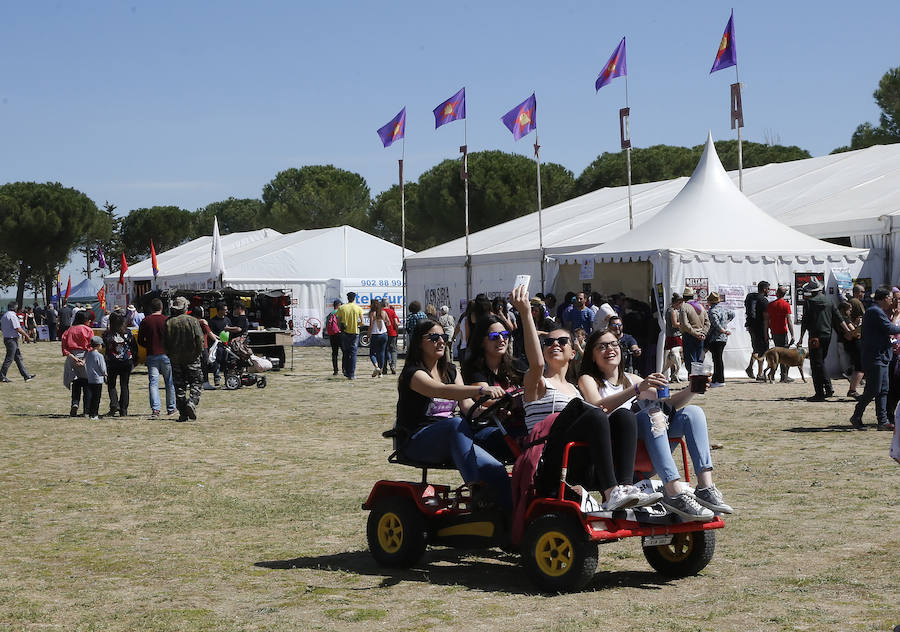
(603, 346)
(435, 337)
(615, 326)
(562, 340)
(497, 335)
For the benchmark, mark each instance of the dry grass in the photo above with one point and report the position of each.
(128, 524)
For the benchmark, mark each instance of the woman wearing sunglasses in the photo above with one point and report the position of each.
(429, 389)
(604, 382)
(611, 442)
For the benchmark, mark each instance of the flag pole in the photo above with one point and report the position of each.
(537, 159)
(737, 80)
(402, 228)
(627, 135)
(465, 150)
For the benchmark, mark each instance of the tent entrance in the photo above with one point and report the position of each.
(633, 278)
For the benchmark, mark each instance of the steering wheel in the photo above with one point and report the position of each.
(496, 412)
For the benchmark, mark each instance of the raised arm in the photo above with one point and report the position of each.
(533, 379)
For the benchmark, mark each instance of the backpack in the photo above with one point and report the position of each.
(332, 326)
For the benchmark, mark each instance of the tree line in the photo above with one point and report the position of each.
(42, 224)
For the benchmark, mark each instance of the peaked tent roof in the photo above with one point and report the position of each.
(88, 287)
(709, 216)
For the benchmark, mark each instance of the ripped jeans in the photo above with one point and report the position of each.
(690, 423)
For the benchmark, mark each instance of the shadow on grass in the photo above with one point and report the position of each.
(452, 567)
(802, 429)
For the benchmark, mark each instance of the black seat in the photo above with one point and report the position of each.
(400, 459)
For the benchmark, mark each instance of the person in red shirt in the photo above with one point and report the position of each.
(76, 342)
(392, 323)
(780, 325)
(150, 336)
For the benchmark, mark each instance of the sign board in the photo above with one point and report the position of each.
(801, 279)
(700, 285)
(586, 273)
(732, 295)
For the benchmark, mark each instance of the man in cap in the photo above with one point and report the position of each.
(11, 330)
(756, 307)
(877, 330)
(183, 341)
(693, 320)
(818, 315)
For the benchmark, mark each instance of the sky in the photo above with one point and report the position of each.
(162, 102)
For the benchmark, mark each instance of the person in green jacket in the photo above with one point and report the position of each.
(183, 341)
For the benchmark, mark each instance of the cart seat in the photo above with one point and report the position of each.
(401, 459)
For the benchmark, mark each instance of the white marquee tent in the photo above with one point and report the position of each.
(712, 236)
(307, 263)
(853, 195)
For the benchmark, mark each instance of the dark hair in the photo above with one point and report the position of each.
(881, 293)
(762, 285)
(375, 307)
(498, 305)
(480, 308)
(116, 323)
(155, 305)
(336, 302)
(351, 296)
(220, 306)
(414, 355)
(589, 367)
(197, 311)
(79, 318)
(415, 307)
(475, 358)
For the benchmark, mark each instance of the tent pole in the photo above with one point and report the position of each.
(465, 174)
(402, 233)
(626, 137)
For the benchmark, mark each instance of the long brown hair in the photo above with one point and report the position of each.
(415, 357)
(589, 366)
(376, 309)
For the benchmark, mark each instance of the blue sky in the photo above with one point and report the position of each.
(186, 103)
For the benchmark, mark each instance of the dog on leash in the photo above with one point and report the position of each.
(672, 366)
(784, 357)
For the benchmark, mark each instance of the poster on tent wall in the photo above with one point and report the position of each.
(843, 279)
(700, 285)
(732, 295)
(307, 325)
(801, 279)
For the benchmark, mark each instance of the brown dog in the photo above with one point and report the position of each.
(781, 356)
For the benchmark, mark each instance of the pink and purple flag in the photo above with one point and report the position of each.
(394, 130)
(523, 118)
(153, 262)
(101, 260)
(615, 67)
(451, 110)
(726, 56)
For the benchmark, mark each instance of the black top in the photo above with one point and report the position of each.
(242, 322)
(757, 306)
(485, 375)
(414, 410)
(218, 324)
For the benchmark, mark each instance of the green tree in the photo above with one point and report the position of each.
(316, 196)
(385, 220)
(665, 162)
(39, 225)
(502, 186)
(167, 226)
(887, 97)
(112, 245)
(235, 216)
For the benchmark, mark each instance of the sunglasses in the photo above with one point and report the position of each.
(603, 346)
(615, 326)
(435, 337)
(562, 340)
(497, 335)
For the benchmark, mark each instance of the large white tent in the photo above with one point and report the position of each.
(712, 237)
(853, 195)
(310, 264)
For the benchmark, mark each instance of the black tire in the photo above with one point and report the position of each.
(688, 554)
(396, 532)
(558, 555)
(261, 382)
(364, 339)
(232, 382)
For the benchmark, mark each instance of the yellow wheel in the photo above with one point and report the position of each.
(687, 553)
(396, 532)
(557, 553)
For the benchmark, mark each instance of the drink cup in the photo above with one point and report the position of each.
(696, 368)
(662, 392)
(698, 383)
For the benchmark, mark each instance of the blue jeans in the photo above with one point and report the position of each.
(159, 365)
(692, 348)
(451, 440)
(349, 343)
(13, 354)
(377, 349)
(690, 423)
(877, 382)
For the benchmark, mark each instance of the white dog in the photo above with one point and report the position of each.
(672, 366)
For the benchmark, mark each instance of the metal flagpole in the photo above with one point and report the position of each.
(740, 124)
(626, 138)
(537, 159)
(465, 152)
(403, 230)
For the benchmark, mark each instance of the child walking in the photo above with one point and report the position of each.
(95, 370)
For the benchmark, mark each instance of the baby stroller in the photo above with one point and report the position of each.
(241, 365)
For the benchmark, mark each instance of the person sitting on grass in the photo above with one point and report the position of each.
(605, 383)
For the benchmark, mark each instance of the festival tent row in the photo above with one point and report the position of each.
(313, 266)
(711, 237)
(852, 196)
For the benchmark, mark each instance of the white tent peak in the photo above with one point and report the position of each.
(711, 215)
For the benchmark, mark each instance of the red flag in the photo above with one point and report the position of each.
(101, 294)
(153, 259)
(123, 270)
(69, 287)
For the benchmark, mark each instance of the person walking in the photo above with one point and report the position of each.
(393, 323)
(719, 317)
(75, 344)
(779, 312)
(448, 322)
(378, 337)
(95, 374)
(756, 305)
(66, 314)
(818, 315)
(121, 349)
(150, 336)
(350, 316)
(673, 344)
(333, 329)
(11, 331)
(183, 343)
(693, 320)
(877, 330)
(51, 316)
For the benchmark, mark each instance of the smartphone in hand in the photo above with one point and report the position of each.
(522, 279)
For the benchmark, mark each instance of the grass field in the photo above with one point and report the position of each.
(250, 519)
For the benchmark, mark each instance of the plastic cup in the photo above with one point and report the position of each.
(698, 383)
(662, 392)
(696, 368)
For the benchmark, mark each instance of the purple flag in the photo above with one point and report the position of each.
(726, 56)
(101, 260)
(450, 110)
(523, 118)
(615, 67)
(394, 130)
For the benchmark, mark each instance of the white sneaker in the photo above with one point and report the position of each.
(686, 506)
(644, 498)
(622, 497)
(717, 384)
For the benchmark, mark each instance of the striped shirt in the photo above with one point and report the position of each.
(553, 401)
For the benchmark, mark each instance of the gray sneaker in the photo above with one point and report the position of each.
(686, 506)
(711, 498)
